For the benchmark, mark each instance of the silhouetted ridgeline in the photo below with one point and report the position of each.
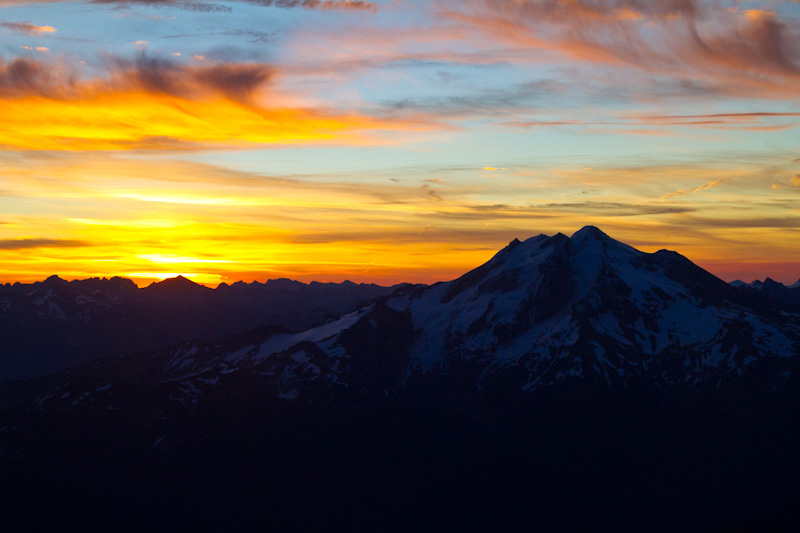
(51, 325)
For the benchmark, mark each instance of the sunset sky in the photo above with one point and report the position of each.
(396, 140)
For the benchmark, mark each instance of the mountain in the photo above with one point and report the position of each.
(52, 325)
(570, 383)
(773, 290)
(546, 313)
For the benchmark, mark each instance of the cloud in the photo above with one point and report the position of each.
(22, 77)
(753, 121)
(201, 7)
(619, 209)
(347, 5)
(796, 180)
(156, 103)
(27, 28)
(431, 193)
(679, 39)
(740, 222)
(23, 244)
(205, 7)
(497, 101)
(252, 35)
(709, 185)
(236, 81)
(489, 212)
(717, 117)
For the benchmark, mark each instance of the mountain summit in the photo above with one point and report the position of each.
(551, 309)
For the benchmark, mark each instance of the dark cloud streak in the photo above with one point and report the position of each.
(21, 77)
(24, 244)
(236, 81)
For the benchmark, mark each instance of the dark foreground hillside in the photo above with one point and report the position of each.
(609, 464)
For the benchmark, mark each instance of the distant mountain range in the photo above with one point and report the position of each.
(52, 325)
(773, 289)
(570, 383)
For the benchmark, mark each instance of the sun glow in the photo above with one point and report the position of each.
(125, 215)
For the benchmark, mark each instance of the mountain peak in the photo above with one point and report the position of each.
(178, 283)
(589, 232)
(177, 280)
(53, 280)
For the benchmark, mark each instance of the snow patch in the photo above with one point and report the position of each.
(280, 343)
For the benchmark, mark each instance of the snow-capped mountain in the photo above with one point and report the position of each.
(584, 311)
(589, 307)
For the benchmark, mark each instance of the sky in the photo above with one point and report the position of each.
(392, 141)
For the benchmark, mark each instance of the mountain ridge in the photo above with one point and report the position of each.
(547, 310)
(51, 325)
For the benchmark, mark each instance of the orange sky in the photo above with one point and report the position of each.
(393, 141)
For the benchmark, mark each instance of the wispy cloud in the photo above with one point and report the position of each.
(27, 28)
(752, 121)
(739, 50)
(704, 187)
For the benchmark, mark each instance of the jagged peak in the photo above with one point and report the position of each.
(53, 280)
(588, 232)
(176, 282)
